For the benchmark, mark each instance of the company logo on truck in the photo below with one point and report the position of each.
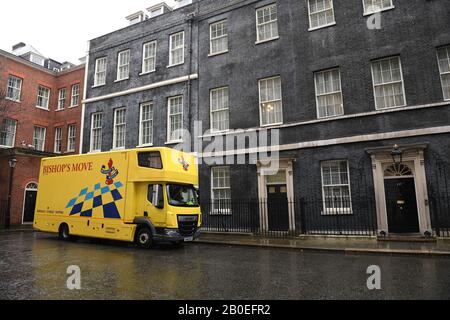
(110, 172)
(184, 163)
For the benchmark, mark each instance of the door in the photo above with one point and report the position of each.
(277, 208)
(401, 205)
(30, 206)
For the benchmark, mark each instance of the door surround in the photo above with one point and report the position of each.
(31, 186)
(413, 156)
(264, 169)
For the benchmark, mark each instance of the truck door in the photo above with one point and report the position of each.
(154, 206)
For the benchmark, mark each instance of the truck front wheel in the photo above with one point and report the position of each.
(144, 238)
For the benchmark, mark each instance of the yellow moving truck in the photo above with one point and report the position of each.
(142, 195)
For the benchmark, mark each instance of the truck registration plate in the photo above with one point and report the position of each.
(189, 239)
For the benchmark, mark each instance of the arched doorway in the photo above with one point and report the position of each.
(29, 202)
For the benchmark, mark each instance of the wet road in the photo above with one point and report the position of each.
(33, 266)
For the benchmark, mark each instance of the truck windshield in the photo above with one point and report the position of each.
(182, 195)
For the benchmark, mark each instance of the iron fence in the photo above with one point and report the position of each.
(278, 218)
(3, 208)
(440, 215)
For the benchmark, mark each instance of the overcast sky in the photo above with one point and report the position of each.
(60, 29)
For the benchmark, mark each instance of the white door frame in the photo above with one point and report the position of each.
(414, 157)
(25, 198)
(264, 170)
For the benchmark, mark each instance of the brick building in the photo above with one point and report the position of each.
(356, 90)
(40, 116)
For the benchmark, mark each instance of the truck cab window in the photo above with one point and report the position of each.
(155, 195)
(150, 160)
(182, 195)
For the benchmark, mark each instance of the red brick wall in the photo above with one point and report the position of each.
(28, 115)
(26, 112)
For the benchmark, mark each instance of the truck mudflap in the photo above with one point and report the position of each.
(173, 235)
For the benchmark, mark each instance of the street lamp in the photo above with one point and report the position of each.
(397, 155)
(12, 165)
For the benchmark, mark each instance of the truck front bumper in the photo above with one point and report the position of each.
(173, 235)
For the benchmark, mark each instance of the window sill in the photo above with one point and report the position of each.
(378, 11)
(389, 108)
(173, 142)
(149, 145)
(12, 100)
(322, 27)
(42, 108)
(71, 107)
(118, 149)
(175, 65)
(148, 72)
(271, 125)
(69, 151)
(217, 53)
(267, 40)
(98, 86)
(59, 110)
(219, 132)
(343, 212)
(120, 80)
(6, 147)
(94, 151)
(331, 117)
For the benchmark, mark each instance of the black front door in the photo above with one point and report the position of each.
(277, 208)
(30, 205)
(401, 205)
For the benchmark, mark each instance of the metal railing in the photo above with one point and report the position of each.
(280, 218)
(440, 215)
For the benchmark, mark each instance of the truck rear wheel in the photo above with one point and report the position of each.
(144, 238)
(64, 232)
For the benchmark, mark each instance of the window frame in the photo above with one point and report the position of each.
(61, 100)
(42, 97)
(99, 129)
(141, 107)
(119, 66)
(169, 122)
(260, 102)
(329, 93)
(69, 137)
(77, 95)
(333, 211)
(447, 48)
(2, 124)
(311, 28)
(115, 125)
(214, 210)
(43, 140)
(171, 50)
(58, 140)
(258, 40)
(97, 72)
(211, 39)
(388, 83)
(155, 42)
(14, 88)
(220, 110)
(368, 13)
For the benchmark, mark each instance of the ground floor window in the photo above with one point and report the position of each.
(336, 187)
(220, 190)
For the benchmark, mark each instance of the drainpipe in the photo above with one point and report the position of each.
(83, 104)
(190, 20)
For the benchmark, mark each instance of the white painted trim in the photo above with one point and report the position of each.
(368, 13)
(96, 71)
(336, 141)
(143, 104)
(211, 54)
(169, 141)
(143, 88)
(340, 91)
(343, 117)
(143, 57)
(258, 41)
(114, 147)
(387, 83)
(440, 71)
(325, 25)
(260, 103)
(119, 65)
(170, 49)
(83, 104)
(91, 143)
(211, 112)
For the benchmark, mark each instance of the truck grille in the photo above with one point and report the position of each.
(187, 225)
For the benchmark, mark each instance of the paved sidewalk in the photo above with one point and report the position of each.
(336, 244)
